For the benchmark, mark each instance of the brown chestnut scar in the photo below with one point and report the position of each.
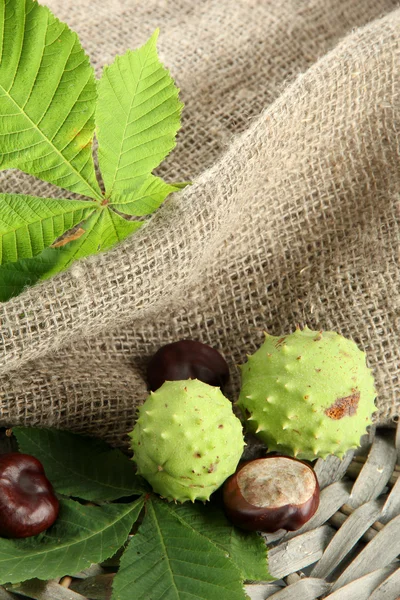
(280, 342)
(344, 407)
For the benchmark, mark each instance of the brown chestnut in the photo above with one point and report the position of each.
(28, 504)
(187, 359)
(267, 494)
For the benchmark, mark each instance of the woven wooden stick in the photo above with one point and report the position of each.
(98, 587)
(354, 468)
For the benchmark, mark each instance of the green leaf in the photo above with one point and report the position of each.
(47, 99)
(15, 277)
(103, 229)
(144, 197)
(137, 117)
(247, 550)
(29, 224)
(82, 535)
(169, 560)
(80, 466)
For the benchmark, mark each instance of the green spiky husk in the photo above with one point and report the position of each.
(187, 440)
(308, 394)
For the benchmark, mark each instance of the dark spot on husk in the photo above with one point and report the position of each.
(280, 342)
(197, 455)
(344, 407)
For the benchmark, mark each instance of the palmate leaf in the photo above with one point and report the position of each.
(102, 230)
(29, 224)
(137, 117)
(47, 102)
(81, 535)
(80, 466)
(169, 560)
(47, 98)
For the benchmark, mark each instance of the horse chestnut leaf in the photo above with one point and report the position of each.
(267, 494)
(28, 504)
(187, 359)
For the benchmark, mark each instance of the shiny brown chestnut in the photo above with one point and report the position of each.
(271, 493)
(28, 504)
(187, 359)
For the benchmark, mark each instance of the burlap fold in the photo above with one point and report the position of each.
(291, 136)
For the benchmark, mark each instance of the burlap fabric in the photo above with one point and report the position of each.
(290, 134)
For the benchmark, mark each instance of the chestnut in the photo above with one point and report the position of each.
(271, 493)
(187, 359)
(28, 504)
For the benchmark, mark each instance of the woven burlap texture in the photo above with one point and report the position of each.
(290, 134)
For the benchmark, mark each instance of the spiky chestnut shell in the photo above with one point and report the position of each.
(308, 394)
(187, 440)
